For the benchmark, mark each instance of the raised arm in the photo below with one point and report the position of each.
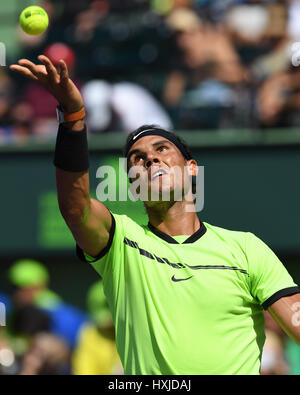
(88, 219)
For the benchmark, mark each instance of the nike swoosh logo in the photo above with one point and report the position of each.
(176, 280)
(144, 131)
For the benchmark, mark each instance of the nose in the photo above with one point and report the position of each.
(150, 160)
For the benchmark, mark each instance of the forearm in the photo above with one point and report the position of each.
(76, 126)
(73, 187)
(73, 192)
(286, 311)
(88, 219)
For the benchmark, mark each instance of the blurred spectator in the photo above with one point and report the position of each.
(202, 44)
(6, 98)
(119, 6)
(69, 9)
(121, 106)
(48, 355)
(278, 100)
(96, 353)
(212, 63)
(8, 363)
(273, 362)
(24, 323)
(292, 355)
(202, 88)
(166, 6)
(88, 20)
(259, 33)
(247, 23)
(273, 357)
(30, 279)
(28, 320)
(6, 301)
(7, 90)
(213, 10)
(293, 27)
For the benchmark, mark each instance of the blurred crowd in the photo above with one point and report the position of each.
(181, 64)
(44, 335)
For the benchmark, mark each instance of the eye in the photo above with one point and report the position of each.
(162, 148)
(138, 158)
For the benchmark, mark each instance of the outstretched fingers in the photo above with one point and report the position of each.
(23, 70)
(64, 74)
(29, 65)
(51, 70)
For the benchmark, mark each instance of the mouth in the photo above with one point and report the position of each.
(154, 174)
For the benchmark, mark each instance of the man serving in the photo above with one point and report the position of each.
(186, 297)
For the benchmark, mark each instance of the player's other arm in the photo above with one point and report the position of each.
(286, 311)
(273, 287)
(89, 220)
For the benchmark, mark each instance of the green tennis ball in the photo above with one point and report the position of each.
(34, 20)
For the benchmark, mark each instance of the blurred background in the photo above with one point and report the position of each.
(218, 72)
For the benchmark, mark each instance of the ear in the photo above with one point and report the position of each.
(192, 167)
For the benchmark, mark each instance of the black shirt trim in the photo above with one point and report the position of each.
(280, 294)
(191, 239)
(79, 251)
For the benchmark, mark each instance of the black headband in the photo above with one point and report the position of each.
(159, 132)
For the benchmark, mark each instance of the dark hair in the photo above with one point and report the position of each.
(155, 127)
(30, 320)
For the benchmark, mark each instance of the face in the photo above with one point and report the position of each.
(26, 295)
(160, 168)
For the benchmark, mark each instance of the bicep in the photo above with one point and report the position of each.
(286, 311)
(92, 234)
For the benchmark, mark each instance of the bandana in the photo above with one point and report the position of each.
(158, 132)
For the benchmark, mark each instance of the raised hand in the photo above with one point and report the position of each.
(57, 82)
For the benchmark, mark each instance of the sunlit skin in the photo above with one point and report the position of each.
(146, 171)
(152, 153)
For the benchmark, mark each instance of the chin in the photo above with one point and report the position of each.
(165, 194)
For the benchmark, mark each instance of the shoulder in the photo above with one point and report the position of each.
(227, 234)
(243, 240)
(125, 224)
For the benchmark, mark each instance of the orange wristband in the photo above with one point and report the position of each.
(68, 116)
(75, 116)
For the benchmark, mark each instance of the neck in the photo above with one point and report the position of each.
(173, 219)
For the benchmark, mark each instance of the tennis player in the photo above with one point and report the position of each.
(186, 297)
